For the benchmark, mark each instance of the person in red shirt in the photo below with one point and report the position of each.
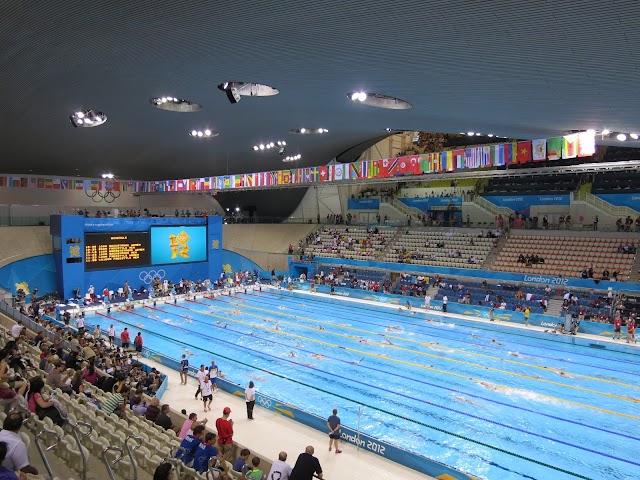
(617, 325)
(137, 343)
(124, 336)
(224, 426)
(631, 330)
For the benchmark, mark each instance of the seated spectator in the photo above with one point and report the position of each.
(116, 403)
(41, 405)
(164, 420)
(164, 472)
(153, 409)
(241, 461)
(204, 452)
(254, 473)
(191, 423)
(13, 451)
(139, 406)
(190, 444)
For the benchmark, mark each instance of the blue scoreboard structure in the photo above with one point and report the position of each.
(107, 252)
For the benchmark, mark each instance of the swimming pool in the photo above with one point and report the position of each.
(492, 401)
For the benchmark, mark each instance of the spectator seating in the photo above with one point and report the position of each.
(616, 182)
(411, 248)
(565, 256)
(534, 184)
(347, 242)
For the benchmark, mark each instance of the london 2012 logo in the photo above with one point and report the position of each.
(179, 245)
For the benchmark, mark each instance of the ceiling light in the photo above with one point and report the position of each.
(471, 134)
(237, 209)
(621, 136)
(292, 158)
(606, 131)
(634, 136)
(269, 145)
(173, 104)
(236, 90)
(261, 146)
(87, 118)
(490, 135)
(309, 131)
(108, 175)
(207, 133)
(255, 147)
(379, 100)
(478, 134)
(303, 130)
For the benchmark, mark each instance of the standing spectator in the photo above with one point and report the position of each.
(137, 343)
(280, 469)
(13, 450)
(445, 299)
(200, 377)
(184, 370)
(595, 223)
(631, 330)
(224, 426)
(250, 398)
(306, 466)
(124, 336)
(333, 422)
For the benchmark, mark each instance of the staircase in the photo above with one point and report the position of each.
(391, 244)
(492, 208)
(494, 253)
(555, 306)
(604, 207)
(634, 277)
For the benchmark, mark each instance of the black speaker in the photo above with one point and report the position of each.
(233, 95)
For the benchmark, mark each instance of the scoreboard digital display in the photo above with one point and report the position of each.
(116, 250)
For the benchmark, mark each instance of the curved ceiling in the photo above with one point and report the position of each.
(518, 69)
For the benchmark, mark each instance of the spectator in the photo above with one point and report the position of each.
(204, 452)
(306, 465)
(241, 461)
(164, 472)
(190, 444)
(163, 419)
(280, 468)
(224, 426)
(190, 424)
(153, 410)
(116, 403)
(5, 473)
(139, 406)
(254, 473)
(13, 450)
(40, 405)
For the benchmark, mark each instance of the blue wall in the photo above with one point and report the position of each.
(364, 204)
(631, 200)
(523, 203)
(239, 262)
(37, 272)
(428, 203)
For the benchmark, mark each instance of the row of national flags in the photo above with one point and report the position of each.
(570, 146)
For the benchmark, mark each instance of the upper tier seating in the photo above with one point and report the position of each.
(565, 256)
(412, 247)
(534, 184)
(616, 182)
(348, 242)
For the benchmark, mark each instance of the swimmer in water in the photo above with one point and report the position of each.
(140, 325)
(462, 399)
(154, 317)
(358, 362)
(562, 373)
(493, 340)
(320, 327)
(514, 354)
(236, 312)
(388, 341)
(188, 352)
(319, 356)
(486, 385)
(363, 340)
(282, 307)
(277, 327)
(187, 318)
(291, 354)
(298, 344)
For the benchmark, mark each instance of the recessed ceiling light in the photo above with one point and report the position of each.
(490, 135)
(279, 145)
(87, 118)
(606, 131)
(207, 133)
(621, 137)
(293, 158)
(308, 131)
(173, 104)
(634, 136)
(471, 134)
(378, 100)
(108, 175)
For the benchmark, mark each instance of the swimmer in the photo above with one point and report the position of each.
(298, 344)
(258, 377)
(277, 327)
(236, 312)
(358, 362)
(155, 317)
(188, 352)
(408, 305)
(388, 341)
(319, 356)
(562, 373)
(320, 327)
(493, 340)
(282, 307)
(486, 385)
(291, 354)
(363, 340)
(514, 354)
(140, 325)
(187, 318)
(385, 355)
(225, 325)
(462, 399)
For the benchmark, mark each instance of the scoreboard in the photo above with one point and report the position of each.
(116, 250)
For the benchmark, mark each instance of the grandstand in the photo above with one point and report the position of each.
(349, 242)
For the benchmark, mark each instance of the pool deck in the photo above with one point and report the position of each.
(292, 436)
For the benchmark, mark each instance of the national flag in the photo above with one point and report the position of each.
(446, 159)
(524, 152)
(3, 181)
(338, 171)
(180, 185)
(324, 174)
(586, 144)
(497, 155)
(219, 183)
(436, 162)
(354, 170)
(570, 146)
(48, 183)
(24, 182)
(364, 169)
(32, 182)
(459, 159)
(56, 183)
(425, 163)
(374, 168)
(470, 158)
(509, 157)
(273, 178)
(236, 181)
(384, 168)
(539, 147)
(485, 156)
(248, 179)
(404, 166)
(554, 148)
(40, 183)
(286, 177)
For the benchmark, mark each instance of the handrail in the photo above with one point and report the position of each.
(130, 451)
(76, 427)
(177, 465)
(491, 207)
(105, 459)
(42, 453)
(609, 208)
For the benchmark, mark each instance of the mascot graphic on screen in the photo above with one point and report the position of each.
(179, 245)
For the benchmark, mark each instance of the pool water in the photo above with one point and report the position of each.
(492, 401)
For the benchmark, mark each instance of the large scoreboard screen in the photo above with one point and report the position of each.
(116, 250)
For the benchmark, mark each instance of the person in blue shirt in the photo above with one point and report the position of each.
(190, 445)
(242, 460)
(204, 452)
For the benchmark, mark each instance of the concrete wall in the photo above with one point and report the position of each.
(264, 244)
(17, 243)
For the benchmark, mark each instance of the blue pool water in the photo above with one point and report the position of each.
(460, 393)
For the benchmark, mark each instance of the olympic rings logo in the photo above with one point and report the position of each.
(264, 401)
(151, 275)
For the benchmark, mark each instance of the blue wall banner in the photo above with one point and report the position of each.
(631, 200)
(523, 203)
(34, 272)
(426, 204)
(364, 204)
